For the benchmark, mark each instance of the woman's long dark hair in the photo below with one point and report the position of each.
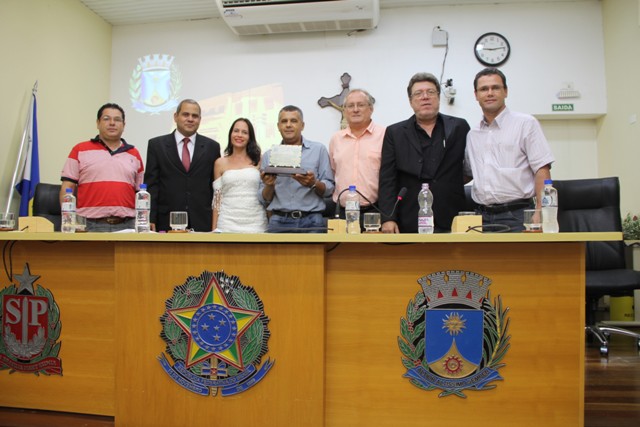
(253, 149)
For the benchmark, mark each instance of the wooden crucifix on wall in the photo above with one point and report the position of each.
(337, 101)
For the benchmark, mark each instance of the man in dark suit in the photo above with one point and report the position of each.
(179, 171)
(426, 148)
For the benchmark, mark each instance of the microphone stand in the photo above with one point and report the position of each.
(338, 225)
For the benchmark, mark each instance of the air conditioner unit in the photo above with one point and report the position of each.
(252, 17)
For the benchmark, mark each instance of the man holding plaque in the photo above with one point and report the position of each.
(296, 176)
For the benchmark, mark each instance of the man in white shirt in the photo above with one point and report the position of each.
(507, 155)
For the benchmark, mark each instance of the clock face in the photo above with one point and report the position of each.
(492, 49)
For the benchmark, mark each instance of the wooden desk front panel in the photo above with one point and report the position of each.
(80, 275)
(368, 287)
(368, 290)
(290, 281)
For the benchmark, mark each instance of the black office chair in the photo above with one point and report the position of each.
(46, 203)
(594, 205)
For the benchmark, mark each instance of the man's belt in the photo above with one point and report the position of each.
(506, 207)
(293, 214)
(111, 220)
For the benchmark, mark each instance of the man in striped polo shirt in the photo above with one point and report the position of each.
(105, 173)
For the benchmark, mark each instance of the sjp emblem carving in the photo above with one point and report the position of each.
(216, 333)
(30, 328)
(453, 338)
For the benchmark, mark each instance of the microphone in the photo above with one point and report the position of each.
(401, 194)
(338, 225)
(337, 214)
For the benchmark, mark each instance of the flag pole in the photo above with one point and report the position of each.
(20, 161)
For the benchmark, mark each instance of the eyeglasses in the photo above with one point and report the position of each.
(360, 105)
(494, 88)
(109, 118)
(429, 93)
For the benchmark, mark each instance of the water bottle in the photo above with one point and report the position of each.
(425, 212)
(352, 210)
(549, 203)
(143, 210)
(68, 211)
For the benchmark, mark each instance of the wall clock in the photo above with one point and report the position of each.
(492, 49)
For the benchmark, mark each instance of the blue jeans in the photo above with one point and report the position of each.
(513, 219)
(312, 223)
(103, 227)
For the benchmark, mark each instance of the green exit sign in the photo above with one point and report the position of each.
(562, 107)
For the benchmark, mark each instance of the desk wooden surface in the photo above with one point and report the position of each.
(315, 238)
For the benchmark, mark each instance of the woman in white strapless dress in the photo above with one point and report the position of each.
(236, 208)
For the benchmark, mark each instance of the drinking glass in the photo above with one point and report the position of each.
(371, 222)
(178, 221)
(7, 221)
(81, 224)
(532, 221)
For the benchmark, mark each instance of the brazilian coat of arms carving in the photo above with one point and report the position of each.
(216, 333)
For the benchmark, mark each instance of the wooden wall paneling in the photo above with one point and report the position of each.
(336, 368)
(290, 281)
(81, 278)
(368, 290)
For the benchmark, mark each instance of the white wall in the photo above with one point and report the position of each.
(552, 43)
(67, 49)
(619, 130)
(81, 62)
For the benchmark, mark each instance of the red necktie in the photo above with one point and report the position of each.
(186, 157)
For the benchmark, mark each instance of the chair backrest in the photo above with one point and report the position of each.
(586, 205)
(46, 203)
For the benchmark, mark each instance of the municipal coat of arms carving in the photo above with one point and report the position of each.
(454, 338)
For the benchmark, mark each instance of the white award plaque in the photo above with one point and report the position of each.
(285, 160)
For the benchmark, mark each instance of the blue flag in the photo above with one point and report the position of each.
(31, 173)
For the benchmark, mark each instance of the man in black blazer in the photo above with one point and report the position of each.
(426, 148)
(179, 171)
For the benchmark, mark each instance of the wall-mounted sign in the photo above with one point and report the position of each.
(562, 107)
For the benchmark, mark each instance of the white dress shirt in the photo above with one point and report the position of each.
(504, 156)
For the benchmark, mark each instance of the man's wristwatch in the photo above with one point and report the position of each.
(315, 184)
